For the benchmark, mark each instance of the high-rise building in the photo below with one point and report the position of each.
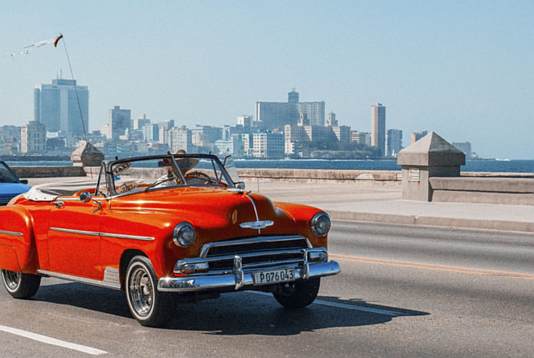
(62, 106)
(275, 115)
(342, 133)
(151, 133)
(315, 112)
(417, 135)
(378, 128)
(394, 142)
(268, 145)
(293, 97)
(331, 120)
(139, 123)
(205, 136)
(180, 138)
(33, 138)
(245, 121)
(121, 121)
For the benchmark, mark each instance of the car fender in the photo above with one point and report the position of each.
(17, 243)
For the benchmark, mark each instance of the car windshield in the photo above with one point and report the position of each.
(150, 173)
(6, 175)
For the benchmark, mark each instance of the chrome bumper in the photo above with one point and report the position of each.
(240, 279)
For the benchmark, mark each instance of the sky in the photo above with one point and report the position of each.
(464, 69)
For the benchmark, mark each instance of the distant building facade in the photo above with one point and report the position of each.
(62, 106)
(121, 122)
(180, 138)
(394, 142)
(275, 115)
(268, 145)
(33, 138)
(359, 137)
(378, 127)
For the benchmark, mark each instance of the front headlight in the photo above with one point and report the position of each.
(184, 234)
(320, 224)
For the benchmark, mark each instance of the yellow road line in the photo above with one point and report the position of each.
(435, 267)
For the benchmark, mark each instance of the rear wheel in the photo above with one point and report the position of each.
(148, 306)
(299, 294)
(20, 285)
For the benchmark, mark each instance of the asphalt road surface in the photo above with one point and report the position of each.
(403, 292)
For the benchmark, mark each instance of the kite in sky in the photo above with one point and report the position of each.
(27, 49)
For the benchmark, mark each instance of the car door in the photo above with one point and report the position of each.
(74, 237)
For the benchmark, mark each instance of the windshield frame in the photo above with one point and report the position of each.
(172, 157)
(10, 171)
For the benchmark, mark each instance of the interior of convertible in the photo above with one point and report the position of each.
(143, 174)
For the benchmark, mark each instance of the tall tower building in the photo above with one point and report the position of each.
(62, 106)
(378, 127)
(121, 120)
(293, 97)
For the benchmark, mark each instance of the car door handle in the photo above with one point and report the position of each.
(59, 203)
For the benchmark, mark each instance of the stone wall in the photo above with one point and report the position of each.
(381, 177)
(48, 172)
(484, 189)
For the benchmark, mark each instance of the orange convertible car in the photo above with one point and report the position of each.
(165, 229)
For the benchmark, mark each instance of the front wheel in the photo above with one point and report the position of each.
(299, 294)
(148, 306)
(20, 285)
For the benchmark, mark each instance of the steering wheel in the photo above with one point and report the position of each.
(203, 177)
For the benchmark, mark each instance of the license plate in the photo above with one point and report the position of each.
(276, 276)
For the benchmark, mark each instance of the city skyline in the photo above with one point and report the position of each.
(461, 77)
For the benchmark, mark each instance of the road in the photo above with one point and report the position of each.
(403, 292)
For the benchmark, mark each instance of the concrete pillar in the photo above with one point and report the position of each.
(430, 156)
(86, 155)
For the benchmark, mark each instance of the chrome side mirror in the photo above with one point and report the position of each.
(86, 197)
(240, 185)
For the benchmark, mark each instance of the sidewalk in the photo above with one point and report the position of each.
(384, 205)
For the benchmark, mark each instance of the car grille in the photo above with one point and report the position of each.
(255, 252)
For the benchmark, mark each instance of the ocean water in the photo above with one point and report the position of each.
(516, 166)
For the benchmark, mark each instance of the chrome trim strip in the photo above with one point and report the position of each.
(105, 234)
(11, 233)
(255, 209)
(128, 237)
(72, 231)
(85, 280)
(252, 240)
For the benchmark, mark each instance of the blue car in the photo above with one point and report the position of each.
(10, 184)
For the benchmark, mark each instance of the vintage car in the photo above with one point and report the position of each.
(165, 229)
(10, 184)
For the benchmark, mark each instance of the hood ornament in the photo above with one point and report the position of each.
(256, 225)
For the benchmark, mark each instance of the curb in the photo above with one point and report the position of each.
(414, 220)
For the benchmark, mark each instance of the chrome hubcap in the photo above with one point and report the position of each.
(11, 279)
(141, 292)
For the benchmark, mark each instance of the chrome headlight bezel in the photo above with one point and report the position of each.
(320, 224)
(184, 234)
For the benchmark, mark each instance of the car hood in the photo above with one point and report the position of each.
(213, 210)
